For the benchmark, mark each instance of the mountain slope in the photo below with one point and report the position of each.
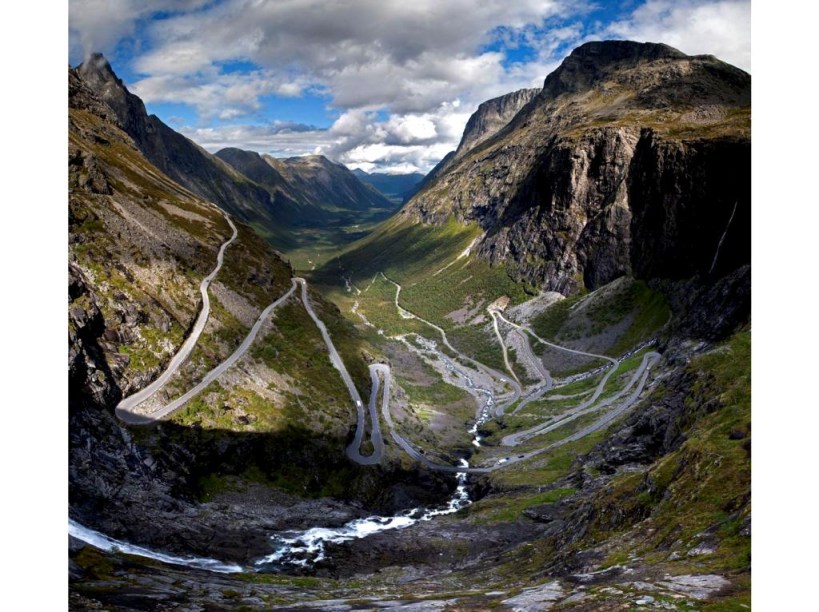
(489, 118)
(313, 180)
(276, 196)
(174, 154)
(633, 158)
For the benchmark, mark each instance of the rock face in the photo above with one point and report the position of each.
(633, 159)
(491, 117)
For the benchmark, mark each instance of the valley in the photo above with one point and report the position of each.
(526, 387)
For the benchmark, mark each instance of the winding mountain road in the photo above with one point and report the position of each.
(492, 373)
(583, 408)
(125, 407)
(378, 371)
(494, 315)
(354, 449)
(142, 419)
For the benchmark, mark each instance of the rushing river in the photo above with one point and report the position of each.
(292, 548)
(303, 548)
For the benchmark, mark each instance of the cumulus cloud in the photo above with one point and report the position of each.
(219, 95)
(98, 25)
(721, 28)
(405, 75)
(278, 138)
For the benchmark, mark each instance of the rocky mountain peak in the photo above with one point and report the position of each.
(97, 73)
(491, 116)
(608, 51)
(593, 62)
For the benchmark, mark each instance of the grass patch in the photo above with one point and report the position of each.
(507, 509)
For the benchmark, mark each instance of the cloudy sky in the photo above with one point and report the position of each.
(384, 85)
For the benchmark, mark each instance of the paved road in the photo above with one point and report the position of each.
(377, 371)
(137, 419)
(125, 407)
(508, 365)
(581, 409)
(603, 381)
(492, 373)
(354, 449)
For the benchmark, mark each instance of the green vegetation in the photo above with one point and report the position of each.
(704, 486)
(401, 250)
(510, 508)
(629, 309)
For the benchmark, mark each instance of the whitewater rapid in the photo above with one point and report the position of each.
(304, 548)
(292, 548)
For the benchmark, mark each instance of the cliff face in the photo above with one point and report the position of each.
(633, 159)
(491, 116)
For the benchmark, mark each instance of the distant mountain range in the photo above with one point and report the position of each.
(275, 195)
(397, 187)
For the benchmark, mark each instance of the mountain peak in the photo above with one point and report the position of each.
(598, 61)
(491, 116)
(96, 65)
(607, 51)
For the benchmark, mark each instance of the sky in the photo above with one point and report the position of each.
(381, 85)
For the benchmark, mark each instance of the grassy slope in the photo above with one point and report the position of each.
(565, 323)
(699, 493)
(251, 270)
(412, 254)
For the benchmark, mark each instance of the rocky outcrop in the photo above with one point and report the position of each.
(491, 117)
(633, 159)
(90, 378)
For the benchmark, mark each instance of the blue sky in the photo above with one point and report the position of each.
(376, 84)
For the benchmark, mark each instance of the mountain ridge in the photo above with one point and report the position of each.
(281, 195)
(585, 159)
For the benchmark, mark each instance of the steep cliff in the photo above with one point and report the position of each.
(633, 159)
(490, 117)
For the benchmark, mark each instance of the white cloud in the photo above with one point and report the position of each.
(219, 95)
(280, 139)
(98, 25)
(405, 75)
(721, 28)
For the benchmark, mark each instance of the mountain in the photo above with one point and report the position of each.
(491, 116)
(564, 306)
(632, 159)
(314, 180)
(394, 186)
(175, 155)
(488, 119)
(274, 195)
(140, 245)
